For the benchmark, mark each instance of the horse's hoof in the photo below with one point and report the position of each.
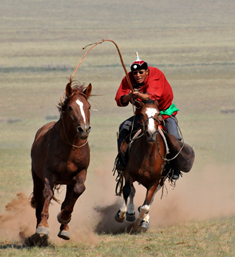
(144, 226)
(64, 234)
(42, 230)
(130, 217)
(61, 221)
(118, 219)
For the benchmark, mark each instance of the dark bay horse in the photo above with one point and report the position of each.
(60, 155)
(147, 165)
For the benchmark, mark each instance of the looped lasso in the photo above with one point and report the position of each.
(100, 42)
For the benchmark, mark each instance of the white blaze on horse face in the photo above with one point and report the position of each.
(82, 110)
(150, 113)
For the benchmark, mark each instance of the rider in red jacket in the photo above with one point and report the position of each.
(148, 83)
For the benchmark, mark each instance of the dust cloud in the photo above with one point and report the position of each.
(201, 194)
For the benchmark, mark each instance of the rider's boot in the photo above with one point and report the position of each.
(175, 174)
(170, 172)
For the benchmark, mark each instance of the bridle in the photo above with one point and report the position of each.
(76, 146)
(144, 123)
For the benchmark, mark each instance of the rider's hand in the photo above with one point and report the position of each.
(142, 96)
(136, 94)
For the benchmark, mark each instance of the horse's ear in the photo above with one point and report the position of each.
(68, 89)
(87, 91)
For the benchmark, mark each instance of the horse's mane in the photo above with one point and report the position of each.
(76, 89)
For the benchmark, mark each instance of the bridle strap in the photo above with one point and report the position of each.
(151, 117)
(76, 146)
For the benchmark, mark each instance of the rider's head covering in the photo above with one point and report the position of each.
(139, 64)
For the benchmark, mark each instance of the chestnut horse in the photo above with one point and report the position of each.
(60, 155)
(145, 166)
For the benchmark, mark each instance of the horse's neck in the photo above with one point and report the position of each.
(146, 146)
(68, 131)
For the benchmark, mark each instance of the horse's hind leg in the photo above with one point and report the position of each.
(130, 215)
(37, 200)
(43, 227)
(72, 194)
(121, 214)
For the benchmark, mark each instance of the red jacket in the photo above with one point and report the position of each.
(155, 85)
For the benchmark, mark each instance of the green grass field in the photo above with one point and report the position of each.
(193, 44)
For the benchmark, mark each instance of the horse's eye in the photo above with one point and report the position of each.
(70, 108)
(89, 107)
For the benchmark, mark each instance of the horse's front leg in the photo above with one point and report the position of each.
(130, 215)
(121, 214)
(72, 194)
(144, 209)
(43, 227)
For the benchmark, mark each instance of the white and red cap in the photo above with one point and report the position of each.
(139, 64)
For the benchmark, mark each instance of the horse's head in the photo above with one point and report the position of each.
(150, 119)
(76, 109)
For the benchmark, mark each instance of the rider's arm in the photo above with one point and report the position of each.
(125, 99)
(122, 97)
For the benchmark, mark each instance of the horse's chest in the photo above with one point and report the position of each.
(72, 163)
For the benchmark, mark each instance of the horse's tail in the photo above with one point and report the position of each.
(57, 188)
(33, 201)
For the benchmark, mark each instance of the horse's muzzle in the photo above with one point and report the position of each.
(151, 137)
(83, 131)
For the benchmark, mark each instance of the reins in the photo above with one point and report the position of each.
(171, 159)
(163, 158)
